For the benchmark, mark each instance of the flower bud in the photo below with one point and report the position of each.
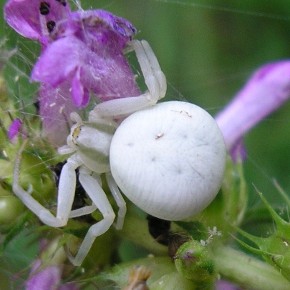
(194, 262)
(10, 207)
(34, 171)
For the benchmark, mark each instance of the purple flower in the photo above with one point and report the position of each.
(88, 52)
(47, 278)
(14, 129)
(82, 54)
(266, 91)
(84, 48)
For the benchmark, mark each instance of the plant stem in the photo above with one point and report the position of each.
(247, 270)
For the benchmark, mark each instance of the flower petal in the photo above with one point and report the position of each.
(59, 61)
(103, 28)
(55, 108)
(31, 20)
(14, 129)
(46, 279)
(80, 95)
(109, 76)
(238, 152)
(105, 73)
(267, 90)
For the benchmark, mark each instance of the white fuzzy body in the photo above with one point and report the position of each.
(169, 159)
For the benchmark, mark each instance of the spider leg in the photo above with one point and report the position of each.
(119, 200)
(83, 211)
(30, 202)
(153, 75)
(93, 188)
(154, 79)
(66, 189)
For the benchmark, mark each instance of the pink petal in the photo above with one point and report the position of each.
(55, 108)
(14, 129)
(24, 16)
(44, 279)
(80, 95)
(266, 91)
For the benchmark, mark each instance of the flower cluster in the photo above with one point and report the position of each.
(82, 53)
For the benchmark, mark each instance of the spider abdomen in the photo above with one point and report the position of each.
(169, 159)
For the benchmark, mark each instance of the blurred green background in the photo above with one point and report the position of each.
(207, 50)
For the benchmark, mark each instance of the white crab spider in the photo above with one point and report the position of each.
(168, 159)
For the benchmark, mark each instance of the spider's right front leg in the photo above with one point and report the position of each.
(154, 79)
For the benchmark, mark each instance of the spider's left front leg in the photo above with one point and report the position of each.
(66, 193)
(154, 79)
(93, 188)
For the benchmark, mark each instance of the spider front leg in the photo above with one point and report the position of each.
(66, 189)
(66, 193)
(93, 188)
(25, 196)
(154, 79)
